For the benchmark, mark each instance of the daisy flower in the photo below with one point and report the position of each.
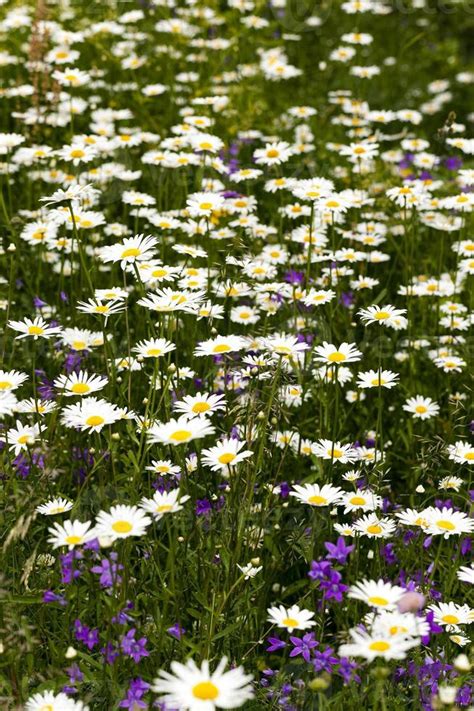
(450, 363)
(397, 624)
(200, 404)
(131, 250)
(450, 482)
(71, 534)
(342, 453)
(422, 408)
(193, 688)
(180, 431)
(291, 618)
(11, 380)
(466, 574)
(411, 517)
(285, 346)
(319, 297)
(20, 437)
(371, 646)
(163, 503)
(374, 527)
(38, 328)
(154, 348)
(8, 403)
(81, 383)
(54, 507)
(38, 407)
(316, 495)
(461, 452)
(49, 701)
(450, 615)
(374, 379)
(96, 306)
(383, 315)
(273, 153)
(377, 594)
(162, 467)
(91, 414)
(227, 453)
(204, 204)
(220, 345)
(121, 522)
(361, 499)
(446, 522)
(334, 355)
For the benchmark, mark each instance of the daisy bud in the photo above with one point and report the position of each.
(172, 368)
(274, 421)
(116, 436)
(11, 247)
(319, 683)
(462, 663)
(260, 415)
(447, 694)
(370, 555)
(256, 561)
(380, 672)
(420, 489)
(92, 450)
(180, 539)
(145, 401)
(411, 602)
(70, 653)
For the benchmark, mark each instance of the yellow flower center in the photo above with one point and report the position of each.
(80, 388)
(77, 153)
(38, 235)
(200, 407)
(332, 203)
(226, 458)
(317, 500)
(378, 601)
(73, 540)
(163, 508)
(24, 439)
(290, 622)
(102, 309)
(79, 345)
(357, 501)
(450, 619)
(205, 146)
(381, 315)
(374, 528)
(446, 525)
(221, 348)
(157, 273)
(469, 456)
(122, 526)
(61, 55)
(154, 352)
(273, 153)
(337, 357)
(130, 252)
(95, 420)
(421, 409)
(181, 435)
(379, 646)
(35, 330)
(335, 453)
(205, 691)
(4, 384)
(206, 206)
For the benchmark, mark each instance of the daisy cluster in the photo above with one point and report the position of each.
(237, 285)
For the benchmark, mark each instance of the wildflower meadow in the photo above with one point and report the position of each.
(236, 307)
